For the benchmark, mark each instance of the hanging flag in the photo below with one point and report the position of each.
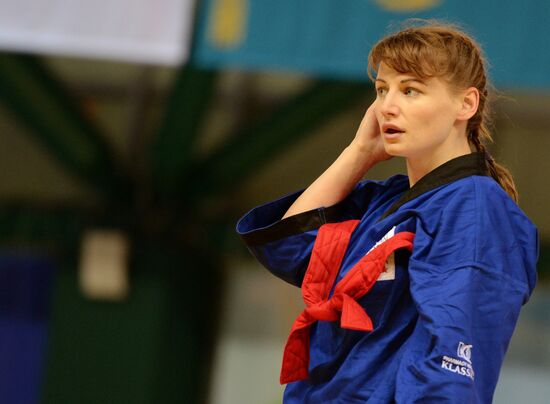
(332, 37)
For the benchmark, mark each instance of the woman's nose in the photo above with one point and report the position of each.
(389, 105)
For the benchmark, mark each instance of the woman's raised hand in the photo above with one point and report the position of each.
(368, 139)
(347, 170)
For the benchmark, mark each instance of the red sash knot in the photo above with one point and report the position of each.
(326, 258)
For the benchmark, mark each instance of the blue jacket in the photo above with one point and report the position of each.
(443, 314)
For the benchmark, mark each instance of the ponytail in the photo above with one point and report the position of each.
(500, 173)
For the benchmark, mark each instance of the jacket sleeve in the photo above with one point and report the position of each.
(467, 315)
(284, 246)
(469, 277)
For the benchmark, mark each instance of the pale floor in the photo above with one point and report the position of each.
(259, 313)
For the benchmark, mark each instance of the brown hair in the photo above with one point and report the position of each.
(429, 48)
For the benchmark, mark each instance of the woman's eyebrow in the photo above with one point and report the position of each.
(405, 80)
(413, 79)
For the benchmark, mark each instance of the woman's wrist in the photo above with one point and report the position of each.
(363, 154)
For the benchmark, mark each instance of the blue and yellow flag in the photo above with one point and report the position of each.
(332, 38)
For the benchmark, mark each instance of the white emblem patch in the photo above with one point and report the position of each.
(388, 235)
(389, 271)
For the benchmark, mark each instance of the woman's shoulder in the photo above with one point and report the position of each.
(492, 198)
(481, 207)
(479, 198)
(477, 222)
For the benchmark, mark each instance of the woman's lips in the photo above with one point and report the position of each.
(391, 128)
(391, 131)
(392, 136)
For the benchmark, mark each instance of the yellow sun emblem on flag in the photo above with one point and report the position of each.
(407, 5)
(227, 24)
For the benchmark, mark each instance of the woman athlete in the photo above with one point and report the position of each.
(413, 285)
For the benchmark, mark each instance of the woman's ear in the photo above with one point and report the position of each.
(469, 103)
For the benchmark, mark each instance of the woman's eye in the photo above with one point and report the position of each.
(411, 91)
(381, 91)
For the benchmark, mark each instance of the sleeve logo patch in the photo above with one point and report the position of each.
(461, 367)
(464, 351)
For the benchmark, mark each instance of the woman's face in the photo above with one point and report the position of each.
(417, 117)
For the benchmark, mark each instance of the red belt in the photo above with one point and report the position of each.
(326, 258)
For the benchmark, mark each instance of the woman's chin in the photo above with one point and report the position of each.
(395, 150)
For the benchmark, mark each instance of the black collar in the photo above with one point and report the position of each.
(452, 170)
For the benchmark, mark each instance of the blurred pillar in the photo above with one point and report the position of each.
(186, 110)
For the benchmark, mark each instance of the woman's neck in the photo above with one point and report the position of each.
(419, 166)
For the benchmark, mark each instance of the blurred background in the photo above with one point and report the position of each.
(134, 134)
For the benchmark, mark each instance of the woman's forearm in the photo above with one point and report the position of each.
(336, 182)
(366, 149)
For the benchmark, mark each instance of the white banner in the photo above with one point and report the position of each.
(143, 31)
